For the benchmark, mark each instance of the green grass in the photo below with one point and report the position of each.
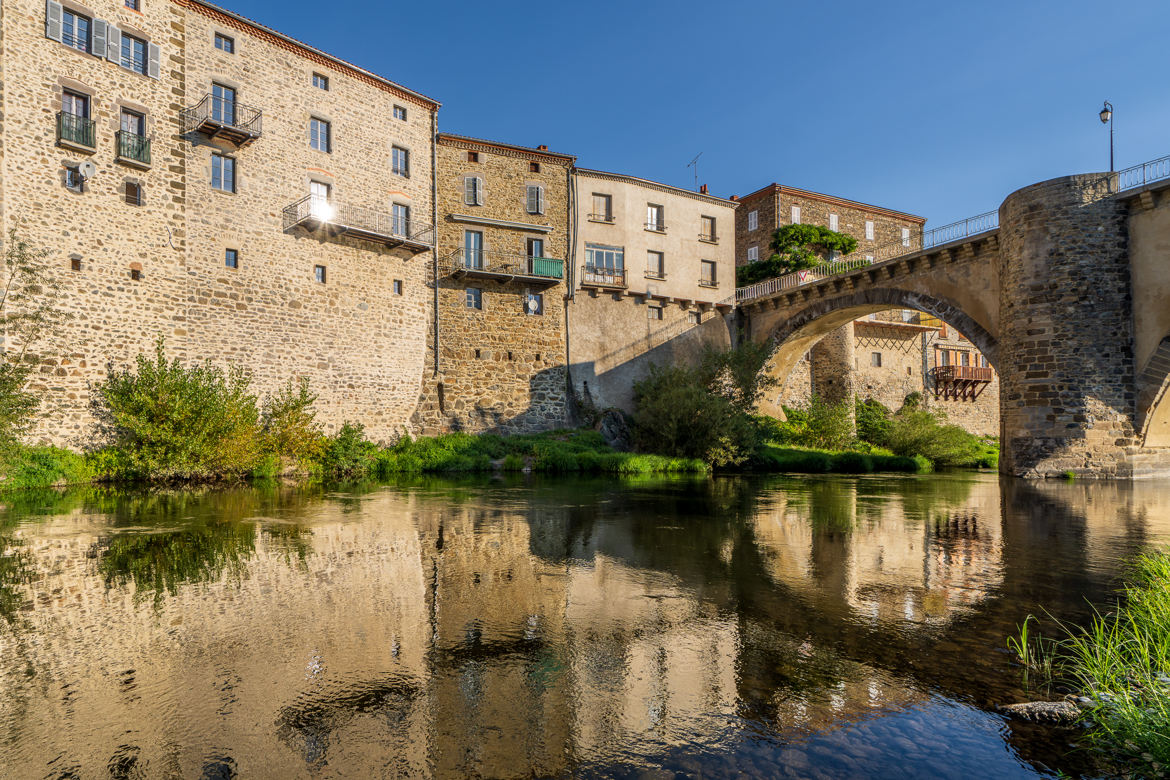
(1122, 661)
(556, 452)
(25, 467)
(773, 457)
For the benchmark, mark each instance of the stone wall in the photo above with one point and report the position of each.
(158, 269)
(499, 367)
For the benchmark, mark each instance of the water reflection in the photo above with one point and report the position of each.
(781, 627)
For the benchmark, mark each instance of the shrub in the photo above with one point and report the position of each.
(873, 421)
(39, 467)
(915, 431)
(288, 423)
(679, 415)
(347, 454)
(171, 421)
(828, 426)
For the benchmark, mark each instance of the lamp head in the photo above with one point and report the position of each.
(1106, 113)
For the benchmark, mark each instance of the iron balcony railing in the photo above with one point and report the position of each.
(601, 217)
(132, 146)
(315, 213)
(76, 130)
(710, 238)
(1141, 175)
(491, 263)
(965, 228)
(708, 283)
(656, 227)
(595, 276)
(219, 117)
(963, 374)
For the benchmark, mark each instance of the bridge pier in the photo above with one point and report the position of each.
(1066, 333)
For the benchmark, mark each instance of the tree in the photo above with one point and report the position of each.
(796, 248)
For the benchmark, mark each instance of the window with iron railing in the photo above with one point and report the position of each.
(707, 231)
(133, 54)
(76, 130)
(707, 276)
(602, 208)
(655, 265)
(75, 31)
(655, 218)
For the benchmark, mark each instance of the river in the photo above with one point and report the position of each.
(819, 627)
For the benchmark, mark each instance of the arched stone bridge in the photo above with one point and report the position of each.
(1068, 298)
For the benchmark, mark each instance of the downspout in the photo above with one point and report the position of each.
(570, 263)
(435, 228)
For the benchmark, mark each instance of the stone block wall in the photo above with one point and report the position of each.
(498, 367)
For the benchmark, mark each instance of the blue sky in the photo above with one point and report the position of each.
(937, 108)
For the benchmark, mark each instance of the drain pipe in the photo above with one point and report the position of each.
(571, 265)
(435, 228)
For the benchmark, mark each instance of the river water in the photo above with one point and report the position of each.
(530, 627)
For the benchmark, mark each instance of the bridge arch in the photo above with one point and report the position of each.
(797, 334)
(1153, 398)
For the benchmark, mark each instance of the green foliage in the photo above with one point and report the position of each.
(795, 248)
(873, 421)
(347, 454)
(679, 413)
(916, 431)
(738, 373)
(39, 467)
(828, 425)
(288, 423)
(169, 421)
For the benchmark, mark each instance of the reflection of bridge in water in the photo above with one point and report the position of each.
(513, 633)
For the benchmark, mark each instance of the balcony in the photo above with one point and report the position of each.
(505, 266)
(320, 217)
(612, 278)
(133, 149)
(964, 383)
(709, 238)
(604, 218)
(708, 283)
(655, 227)
(76, 132)
(218, 118)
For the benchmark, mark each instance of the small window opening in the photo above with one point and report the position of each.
(473, 157)
(398, 287)
(135, 274)
(477, 354)
(534, 167)
(319, 273)
(75, 263)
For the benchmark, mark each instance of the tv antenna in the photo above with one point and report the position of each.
(695, 164)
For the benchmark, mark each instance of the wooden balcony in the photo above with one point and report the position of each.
(964, 383)
(504, 267)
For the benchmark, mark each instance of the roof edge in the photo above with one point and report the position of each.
(455, 139)
(839, 201)
(657, 185)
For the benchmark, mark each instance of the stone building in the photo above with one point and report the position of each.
(762, 212)
(201, 178)
(654, 281)
(496, 356)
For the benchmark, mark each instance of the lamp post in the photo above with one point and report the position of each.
(1107, 119)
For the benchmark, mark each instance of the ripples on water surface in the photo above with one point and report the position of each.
(818, 627)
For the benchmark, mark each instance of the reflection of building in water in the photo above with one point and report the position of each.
(883, 559)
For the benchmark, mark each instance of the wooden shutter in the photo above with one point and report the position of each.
(469, 190)
(53, 20)
(478, 191)
(113, 45)
(152, 64)
(100, 36)
(539, 199)
(530, 206)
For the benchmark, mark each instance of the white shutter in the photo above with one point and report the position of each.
(478, 191)
(113, 44)
(530, 206)
(152, 61)
(98, 44)
(833, 223)
(53, 20)
(539, 199)
(469, 190)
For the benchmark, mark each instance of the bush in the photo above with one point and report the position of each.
(915, 431)
(873, 421)
(288, 423)
(828, 426)
(170, 421)
(40, 467)
(347, 454)
(679, 415)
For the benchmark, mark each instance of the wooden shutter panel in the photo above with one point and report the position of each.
(469, 190)
(113, 44)
(539, 199)
(478, 191)
(100, 36)
(53, 20)
(152, 61)
(531, 205)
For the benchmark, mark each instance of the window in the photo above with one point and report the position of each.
(534, 247)
(136, 274)
(75, 263)
(133, 54)
(73, 178)
(535, 199)
(753, 220)
(400, 113)
(231, 258)
(869, 258)
(964, 358)
(708, 273)
(474, 299)
(319, 273)
(225, 44)
(875, 359)
(133, 123)
(534, 304)
(753, 254)
(694, 317)
(75, 103)
(833, 222)
(223, 104)
(795, 215)
(132, 5)
(473, 157)
(400, 161)
(473, 190)
(472, 249)
(319, 196)
(534, 167)
(319, 135)
(321, 82)
(610, 258)
(869, 230)
(707, 232)
(75, 30)
(655, 218)
(655, 265)
(223, 173)
(653, 312)
(602, 208)
(400, 219)
(132, 192)
(398, 287)
(944, 357)
(905, 236)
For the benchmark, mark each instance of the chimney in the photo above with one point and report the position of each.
(703, 189)
(734, 198)
(542, 148)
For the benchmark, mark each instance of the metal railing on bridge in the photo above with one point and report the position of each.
(964, 228)
(1141, 175)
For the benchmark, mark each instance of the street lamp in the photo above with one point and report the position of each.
(1107, 119)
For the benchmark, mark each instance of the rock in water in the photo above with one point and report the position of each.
(615, 430)
(1043, 711)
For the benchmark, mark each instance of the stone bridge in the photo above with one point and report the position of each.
(1068, 296)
